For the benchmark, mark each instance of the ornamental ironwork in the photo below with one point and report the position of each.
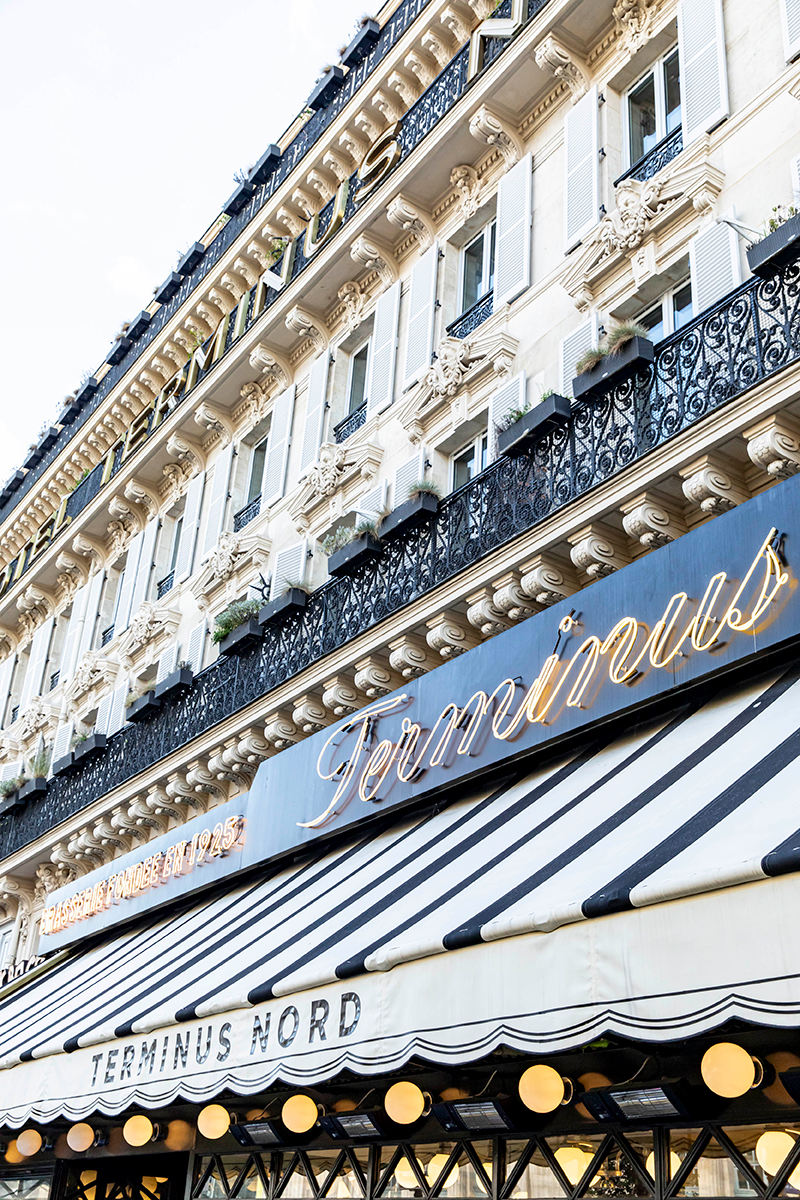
(469, 321)
(656, 159)
(247, 514)
(352, 422)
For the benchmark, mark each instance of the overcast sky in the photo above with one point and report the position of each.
(122, 126)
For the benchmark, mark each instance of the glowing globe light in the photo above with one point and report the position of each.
(80, 1137)
(573, 1162)
(29, 1142)
(771, 1151)
(729, 1071)
(299, 1114)
(213, 1121)
(650, 1164)
(437, 1165)
(404, 1176)
(404, 1103)
(542, 1089)
(138, 1130)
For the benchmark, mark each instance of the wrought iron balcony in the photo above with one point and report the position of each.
(469, 321)
(747, 337)
(656, 159)
(350, 424)
(247, 514)
(54, 678)
(165, 585)
(106, 635)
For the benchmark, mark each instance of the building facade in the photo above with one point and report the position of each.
(399, 646)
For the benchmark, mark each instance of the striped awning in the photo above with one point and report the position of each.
(599, 893)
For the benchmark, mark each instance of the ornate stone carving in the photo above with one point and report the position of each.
(411, 657)
(651, 522)
(449, 366)
(465, 181)
(596, 551)
(203, 779)
(409, 218)
(352, 298)
(773, 445)
(326, 475)
(90, 548)
(637, 204)
(49, 877)
(35, 606)
(340, 696)
(309, 714)
(151, 622)
(186, 451)
(374, 677)
(708, 484)
(553, 58)
(369, 252)
(483, 613)
(253, 746)
(511, 598)
(280, 730)
(304, 324)
(180, 789)
(38, 717)
(449, 635)
(486, 127)
(208, 416)
(634, 20)
(274, 369)
(236, 558)
(141, 494)
(94, 671)
(73, 574)
(338, 473)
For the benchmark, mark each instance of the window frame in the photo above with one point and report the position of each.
(256, 446)
(656, 69)
(666, 301)
(479, 444)
(352, 354)
(489, 227)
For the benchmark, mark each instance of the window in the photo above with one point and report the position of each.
(357, 378)
(654, 106)
(477, 267)
(672, 312)
(256, 470)
(5, 942)
(470, 461)
(176, 543)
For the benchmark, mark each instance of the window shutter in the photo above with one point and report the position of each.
(191, 517)
(704, 77)
(69, 657)
(581, 158)
(215, 518)
(11, 770)
(103, 713)
(510, 395)
(93, 594)
(61, 742)
(407, 475)
(116, 712)
(123, 614)
(167, 662)
(383, 351)
(513, 270)
(280, 436)
(195, 647)
(714, 265)
(37, 657)
(315, 411)
(573, 347)
(290, 566)
(421, 313)
(145, 565)
(795, 165)
(790, 20)
(6, 675)
(372, 504)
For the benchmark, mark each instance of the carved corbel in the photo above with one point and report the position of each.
(336, 165)
(16, 895)
(391, 107)
(405, 86)
(374, 676)
(50, 877)
(651, 522)
(439, 45)
(711, 485)
(305, 324)
(423, 65)
(186, 451)
(484, 615)
(254, 747)
(9, 640)
(511, 598)
(464, 179)
(289, 219)
(634, 22)
(275, 370)
(130, 826)
(449, 634)
(208, 416)
(486, 127)
(352, 298)
(143, 495)
(177, 476)
(354, 146)
(73, 573)
(184, 792)
(773, 445)
(597, 551)
(67, 862)
(407, 217)
(203, 779)
(129, 517)
(369, 252)
(108, 835)
(91, 548)
(163, 805)
(339, 695)
(457, 21)
(280, 730)
(411, 656)
(309, 714)
(554, 59)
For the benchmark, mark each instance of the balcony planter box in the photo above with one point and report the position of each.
(292, 601)
(361, 44)
(326, 89)
(139, 324)
(354, 554)
(68, 413)
(48, 439)
(634, 355)
(237, 200)
(118, 351)
(63, 765)
(8, 803)
(143, 707)
(266, 164)
(181, 678)
(550, 414)
(169, 287)
(775, 249)
(242, 637)
(31, 458)
(95, 741)
(11, 485)
(191, 258)
(86, 391)
(409, 515)
(31, 787)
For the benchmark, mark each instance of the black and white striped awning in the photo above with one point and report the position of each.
(491, 902)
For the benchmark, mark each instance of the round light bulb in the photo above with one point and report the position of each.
(213, 1121)
(728, 1070)
(541, 1089)
(80, 1137)
(12, 1154)
(404, 1103)
(404, 1176)
(437, 1165)
(29, 1142)
(573, 1162)
(138, 1130)
(299, 1113)
(650, 1164)
(772, 1148)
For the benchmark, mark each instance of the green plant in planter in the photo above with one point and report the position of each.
(39, 765)
(9, 786)
(133, 695)
(424, 487)
(512, 416)
(340, 537)
(294, 585)
(83, 736)
(79, 480)
(780, 215)
(233, 616)
(589, 359)
(613, 343)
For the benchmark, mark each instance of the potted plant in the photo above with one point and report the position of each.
(140, 705)
(9, 793)
(179, 679)
(237, 626)
(779, 243)
(36, 781)
(291, 599)
(621, 352)
(350, 547)
(87, 742)
(522, 426)
(362, 43)
(421, 505)
(329, 83)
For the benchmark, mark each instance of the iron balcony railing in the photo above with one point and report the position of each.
(751, 334)
(656, 159)
(352, 422)
(165, 585)
(247, 514)
(469, 321)
(106, 636)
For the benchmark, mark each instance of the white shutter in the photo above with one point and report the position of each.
(573, 347)
(6, 675)
(406, 475)
(714, 265)
(510, 395)
(790, 21)
(11, 770)
(704, 77)
(215, 518)
(69, 656)
(145, 565)
(421, 314)
(372, 504)
(167, 662)
(37, 658)
(795, 168)
(116, 713)
(61, 743)
(512, 273)
(280, 436)
(103, 713)
(123, 614)
(191, 517)
(94, 590)
(581, 158)
(290, 566)
(315, 411)
(196, 645)
(383, 351)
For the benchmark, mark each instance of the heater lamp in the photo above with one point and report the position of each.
(643, 1103)
(458, 1115)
